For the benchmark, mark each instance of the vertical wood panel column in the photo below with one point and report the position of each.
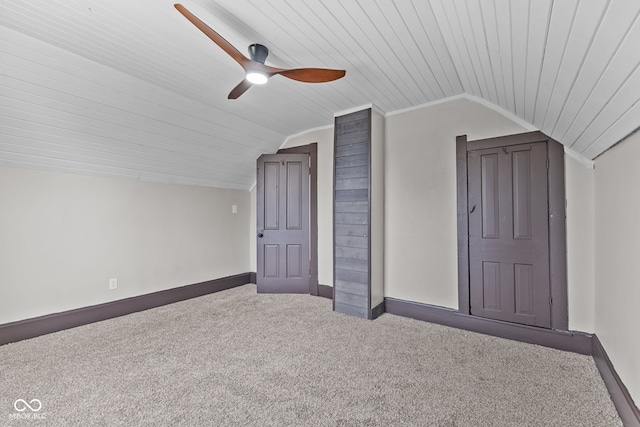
(358, 209)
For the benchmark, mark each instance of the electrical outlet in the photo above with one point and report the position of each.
(234, 208)
(113, 283)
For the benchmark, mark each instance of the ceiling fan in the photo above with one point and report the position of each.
(256, 72)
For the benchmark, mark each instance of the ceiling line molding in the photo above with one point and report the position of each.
(360, 108)
(288, 138)
(304, 132)
(509, 115)
(579, 158)
(528, 126)
(425, 105)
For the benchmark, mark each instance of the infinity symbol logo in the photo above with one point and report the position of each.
(21, 405)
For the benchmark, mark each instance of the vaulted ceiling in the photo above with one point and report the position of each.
(131, 88)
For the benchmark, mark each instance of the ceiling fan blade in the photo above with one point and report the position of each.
(217, 38)
(312, 75)
(242, 87)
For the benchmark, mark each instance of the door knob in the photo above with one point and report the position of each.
(260, 235)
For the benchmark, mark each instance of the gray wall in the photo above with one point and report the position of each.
(65, 235)
(420, 232)
(617, 259)
(579, 183)
(420, 181)
(420, 205)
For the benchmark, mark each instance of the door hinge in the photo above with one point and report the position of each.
(550, 300)
(547, 163)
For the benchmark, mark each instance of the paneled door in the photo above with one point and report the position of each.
(509, 234)
(283, 223)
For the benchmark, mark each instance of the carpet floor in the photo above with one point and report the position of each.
(238, 358)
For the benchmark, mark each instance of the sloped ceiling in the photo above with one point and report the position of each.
(131, 88)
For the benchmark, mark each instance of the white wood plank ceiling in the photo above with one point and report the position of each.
(131, 88)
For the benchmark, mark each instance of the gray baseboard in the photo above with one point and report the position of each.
(377, 311)
(325, 291)
(253, 277)
(577, 342)
(30, 328)
(619, 394)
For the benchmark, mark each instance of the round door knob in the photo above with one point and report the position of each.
(260, 234)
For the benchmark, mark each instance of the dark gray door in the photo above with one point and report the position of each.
(283, 223)
(508, 234)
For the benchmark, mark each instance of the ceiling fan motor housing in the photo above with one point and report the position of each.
(258, 52)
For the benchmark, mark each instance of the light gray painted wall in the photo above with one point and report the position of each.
(65, 235)
(617, 259)
(420, 188)
(579, 183)
(420, 205)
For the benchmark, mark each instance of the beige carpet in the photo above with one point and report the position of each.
(237, 358)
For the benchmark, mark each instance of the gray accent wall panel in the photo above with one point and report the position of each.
(351, 195)
(358, 146)
(352, 264)
(352, 299)
(360, 206)
(353, 172)
(357, 230)
(352, 161)
(351, 276)
(351, 242)
(352, 216)
(353, 288)
(352, 184)
(351, 310)
(354, 253)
